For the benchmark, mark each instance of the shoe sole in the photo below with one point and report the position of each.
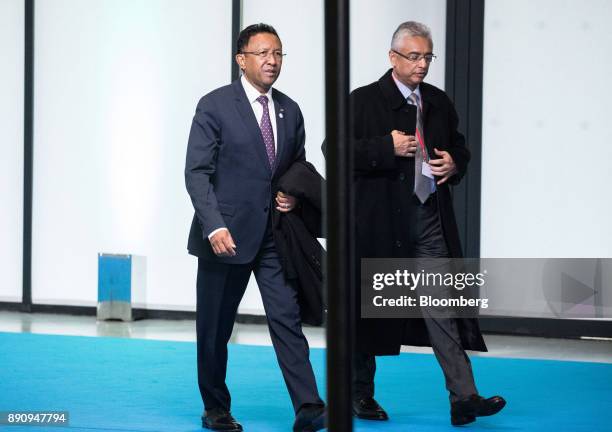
(375, 418)
(205, 426)
(497, 409)
(458, 421)
(316, 425)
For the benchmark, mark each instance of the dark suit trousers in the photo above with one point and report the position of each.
(220, 289)
(428, 242)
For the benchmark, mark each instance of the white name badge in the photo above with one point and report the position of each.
(426, 170)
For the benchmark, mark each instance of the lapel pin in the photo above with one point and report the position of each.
(281, 113)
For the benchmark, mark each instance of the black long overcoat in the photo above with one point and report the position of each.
(384, 186)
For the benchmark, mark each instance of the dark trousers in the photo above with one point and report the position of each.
(220, 289)
(428, 242)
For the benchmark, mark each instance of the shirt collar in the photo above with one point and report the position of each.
(405, 90)
(251, 92)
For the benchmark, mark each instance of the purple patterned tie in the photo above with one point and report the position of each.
(266, 130)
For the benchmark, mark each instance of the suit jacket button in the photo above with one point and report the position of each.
(398, 243)
(374, 163)
(402, 176)
(265, 209)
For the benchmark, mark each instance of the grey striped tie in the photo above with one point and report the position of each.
(422, 184)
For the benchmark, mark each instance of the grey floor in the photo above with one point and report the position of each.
(251, 334)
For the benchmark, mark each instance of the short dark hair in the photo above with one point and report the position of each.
(246, 34)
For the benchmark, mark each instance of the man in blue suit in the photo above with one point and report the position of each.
(244, 136)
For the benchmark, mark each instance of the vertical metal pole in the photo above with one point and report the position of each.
(464, 77)
(339, 217)
(28, 145)
(236, 25)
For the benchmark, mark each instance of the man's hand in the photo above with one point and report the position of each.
(285, 203)
(444, 167)
(223, 244)
(404, 145)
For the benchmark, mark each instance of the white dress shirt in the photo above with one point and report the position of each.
(407, 91)
(252, 94)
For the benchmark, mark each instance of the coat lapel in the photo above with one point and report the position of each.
(396, 102)
(392, 95)
(250, 122)
(280, 129)
(402, 112)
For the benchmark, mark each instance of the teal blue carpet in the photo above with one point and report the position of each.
(110, 384)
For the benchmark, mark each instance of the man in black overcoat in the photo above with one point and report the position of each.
(404, 210)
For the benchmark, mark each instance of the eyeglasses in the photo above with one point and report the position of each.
(278, 55)
(415, 57)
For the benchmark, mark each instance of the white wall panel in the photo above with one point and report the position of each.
(11, 148)
(546, 129)
(116, 87)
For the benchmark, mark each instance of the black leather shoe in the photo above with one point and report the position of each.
(218, 419)
(369, 409)
(465, 411)
(309, 418)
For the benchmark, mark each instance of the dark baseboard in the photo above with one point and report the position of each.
(251, 319)
(546, 327)
(138, 313)
(12, 306)
(164, 314)
(537, 327)
(54, 309)
(91, 311)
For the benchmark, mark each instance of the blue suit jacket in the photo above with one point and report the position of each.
(227, 173)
